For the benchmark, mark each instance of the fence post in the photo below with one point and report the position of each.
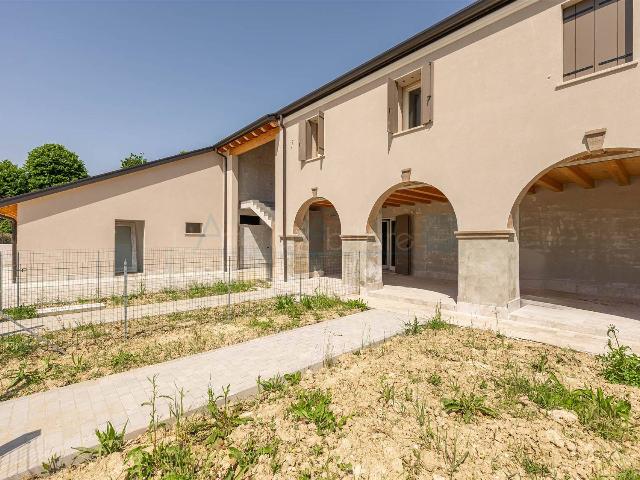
(125, 299)
(358, 279)
(1, 282)
(98, 267)
(17, 280)
(229, 288)
(300, 287)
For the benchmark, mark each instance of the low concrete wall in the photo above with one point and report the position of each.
(584, 241)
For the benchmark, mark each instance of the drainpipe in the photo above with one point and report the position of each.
(284, 196)
(224, 216)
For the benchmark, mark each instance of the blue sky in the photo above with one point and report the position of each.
(109, 78)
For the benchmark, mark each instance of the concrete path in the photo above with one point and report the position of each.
(34, 427)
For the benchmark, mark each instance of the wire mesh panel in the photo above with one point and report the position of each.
(52, 290)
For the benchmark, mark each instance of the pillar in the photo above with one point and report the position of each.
(488, 272)
(233, 210)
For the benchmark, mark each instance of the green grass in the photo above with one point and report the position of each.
(21, 312)
(123, 360)
(294, 309)
(619, 364)
(603, 414)
(16, 346)
(109, 441)
(468, 405)
(314, 406)
(533, 468)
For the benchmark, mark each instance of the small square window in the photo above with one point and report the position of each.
(311, 140)
(413, 108)
(193, 228)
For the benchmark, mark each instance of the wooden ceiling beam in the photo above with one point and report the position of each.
(421, 195)
(400, 200)
(390, 204)
(409, 198)
(550, 183)
(254, 142)
(579, 176)
(618, 172)
(432, 191)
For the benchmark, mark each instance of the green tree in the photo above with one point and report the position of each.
(13, 180)
(52, 164)
(133, 160)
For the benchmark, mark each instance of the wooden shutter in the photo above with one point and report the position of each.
(426, 93)
(585, 42)
(392, 106)
(569, 42)
(606, 34)
(625, 37)
(320, 133)
(302, 140)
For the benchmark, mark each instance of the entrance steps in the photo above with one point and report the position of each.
(536, 320)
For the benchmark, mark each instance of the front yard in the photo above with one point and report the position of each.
(437, 403)
(95, 350)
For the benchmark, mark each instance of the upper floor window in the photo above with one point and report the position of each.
(409, 100)
(597, 35)
(311, 137)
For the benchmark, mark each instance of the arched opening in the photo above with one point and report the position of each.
(415, 251)
(318, 248)
(578, 227)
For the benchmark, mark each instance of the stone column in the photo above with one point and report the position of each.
(361, 262)
(488, 272)
(233, 212)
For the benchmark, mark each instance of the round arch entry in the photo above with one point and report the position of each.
(413, 245)
(578, 230)
(318, 245)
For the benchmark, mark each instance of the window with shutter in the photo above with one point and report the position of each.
(311, 137)
(410, 100)
(597, 35)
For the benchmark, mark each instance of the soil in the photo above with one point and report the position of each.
(388, 400)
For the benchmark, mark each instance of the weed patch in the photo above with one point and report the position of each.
(314, 406)
(468, 405)
(21, 312)
(619, 364)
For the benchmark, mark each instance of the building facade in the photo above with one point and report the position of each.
(494, 153)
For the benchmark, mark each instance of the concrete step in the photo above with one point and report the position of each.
(423, 298)
(577, 320)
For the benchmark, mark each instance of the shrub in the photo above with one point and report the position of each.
(619, 364)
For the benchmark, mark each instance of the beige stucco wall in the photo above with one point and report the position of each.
(502, 117)
(164, 197)
(499, 121)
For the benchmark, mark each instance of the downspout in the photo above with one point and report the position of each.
(284, 196)
(224, 215)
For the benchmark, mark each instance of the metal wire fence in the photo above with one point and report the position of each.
(45, 291)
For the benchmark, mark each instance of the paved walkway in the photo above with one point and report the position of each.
(34, 427)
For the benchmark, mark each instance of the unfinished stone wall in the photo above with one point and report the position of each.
(584, 241)
(256, 174)
(435, 248)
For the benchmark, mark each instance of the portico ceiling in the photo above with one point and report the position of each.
(585, 169)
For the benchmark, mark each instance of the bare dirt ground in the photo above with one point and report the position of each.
(95, 350)
(437, 403)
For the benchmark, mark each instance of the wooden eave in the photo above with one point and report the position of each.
(250, 140)
(10, 211)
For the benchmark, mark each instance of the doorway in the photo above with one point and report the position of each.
(128, 246)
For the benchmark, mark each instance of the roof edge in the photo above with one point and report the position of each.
(103, 176)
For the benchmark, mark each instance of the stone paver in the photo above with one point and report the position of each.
(66, 417)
